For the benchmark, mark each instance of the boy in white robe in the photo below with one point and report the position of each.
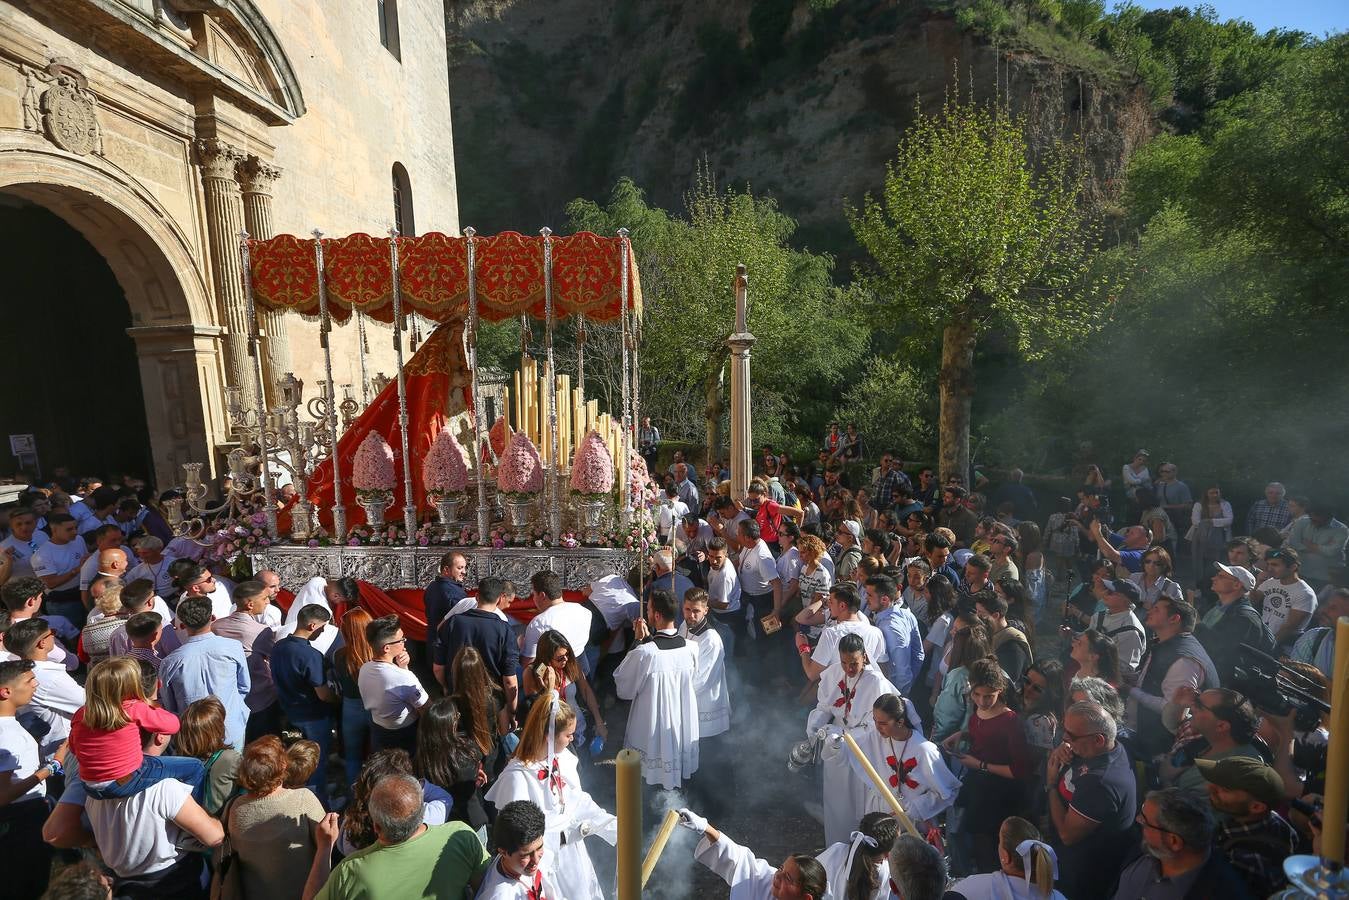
(659, 676)
(521, 869)
(800, 877)
(715, 753)
(845, 606)
(847, 690)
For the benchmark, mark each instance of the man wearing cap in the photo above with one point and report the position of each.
(848, 536)
(1286, 601)
(1232, 621)
(1254, 838)
(1125, 548)
(1118, 621)
(1174, 660)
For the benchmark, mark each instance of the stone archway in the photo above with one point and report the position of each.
(159, 270)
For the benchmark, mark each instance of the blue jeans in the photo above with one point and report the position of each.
(320, 731)
(355, 736)
(153, 770)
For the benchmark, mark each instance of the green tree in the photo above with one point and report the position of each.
(968, 237)
(807, 329)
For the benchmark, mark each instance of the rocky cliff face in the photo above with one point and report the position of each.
(801, 99)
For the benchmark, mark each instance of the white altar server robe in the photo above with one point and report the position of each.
(498, 886)
(714, 698)
(659, 676)
(835, 862)
(926, 787)
(845, 794)
(750, 878)
(568, 810)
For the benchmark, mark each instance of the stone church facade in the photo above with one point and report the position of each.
(159, 129)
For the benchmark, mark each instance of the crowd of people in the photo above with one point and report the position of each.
(997, 697)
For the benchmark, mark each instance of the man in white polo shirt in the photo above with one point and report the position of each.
(57, 563)
(392, 694)
(25, 858)
(58, 697)
(198, 581)
(723, 595)
(24, 540)
(555, 613)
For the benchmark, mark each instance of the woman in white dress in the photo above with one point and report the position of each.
(543, 771)
(910, 763)
(860, 868)
(800, 877)
(847, 690)
(1028, 868)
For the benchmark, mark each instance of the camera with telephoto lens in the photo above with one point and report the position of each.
(1274, 688)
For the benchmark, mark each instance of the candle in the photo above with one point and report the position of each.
(578, 407)
(545, 441)
(518, 411)
(628, 806)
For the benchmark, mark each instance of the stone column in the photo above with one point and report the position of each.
(257, 176)
(742, 437)
(219, 162)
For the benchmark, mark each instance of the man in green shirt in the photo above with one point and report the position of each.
(408, 861)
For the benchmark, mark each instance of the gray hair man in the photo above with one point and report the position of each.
(917, 870)
(1177, 840)
(1091, 800)
(408, 858)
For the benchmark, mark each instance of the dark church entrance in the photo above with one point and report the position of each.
(72, 379)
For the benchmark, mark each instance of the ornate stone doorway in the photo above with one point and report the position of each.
(164, 301)
(73, 380)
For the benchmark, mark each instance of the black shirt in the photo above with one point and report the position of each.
(486, 633)
(439, 598)
(297, 668)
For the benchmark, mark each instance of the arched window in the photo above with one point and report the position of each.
(388, 27)
(402, 202)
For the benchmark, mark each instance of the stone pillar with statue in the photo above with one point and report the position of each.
(742, 436)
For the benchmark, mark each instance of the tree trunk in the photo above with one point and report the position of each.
(714, 393)
(956, 384)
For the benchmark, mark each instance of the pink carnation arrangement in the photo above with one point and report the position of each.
(445, 471)
(372, 468)
(592, 469)
(521, 468)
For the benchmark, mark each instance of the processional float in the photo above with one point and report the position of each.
(557, 459)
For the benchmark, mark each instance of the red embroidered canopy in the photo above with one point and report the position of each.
(433, 275)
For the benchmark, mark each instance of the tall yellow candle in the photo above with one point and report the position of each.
(545, 440)
(578, 409)
(518, 417)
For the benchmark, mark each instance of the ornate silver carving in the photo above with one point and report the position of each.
(67, 111)
(415, 567)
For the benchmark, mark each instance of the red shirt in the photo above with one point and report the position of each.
(998, 741)
(769, 517)
(109, 755)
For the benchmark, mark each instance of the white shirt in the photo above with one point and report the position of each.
(723, 585)
(136, 835)
(572, 619)
(498, 886)
(616, 600)
(1281, 598)
(1127, 631)
(670, 514)
(789, 566)
(158, 573)
(23, 552)
(826, 651)
(19, 754)
(89, 571)
(390, 694)
(56, 700)
(53, 558)
(757, 569)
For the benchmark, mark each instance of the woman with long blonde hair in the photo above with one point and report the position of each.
(347, 662)
(544, 772)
